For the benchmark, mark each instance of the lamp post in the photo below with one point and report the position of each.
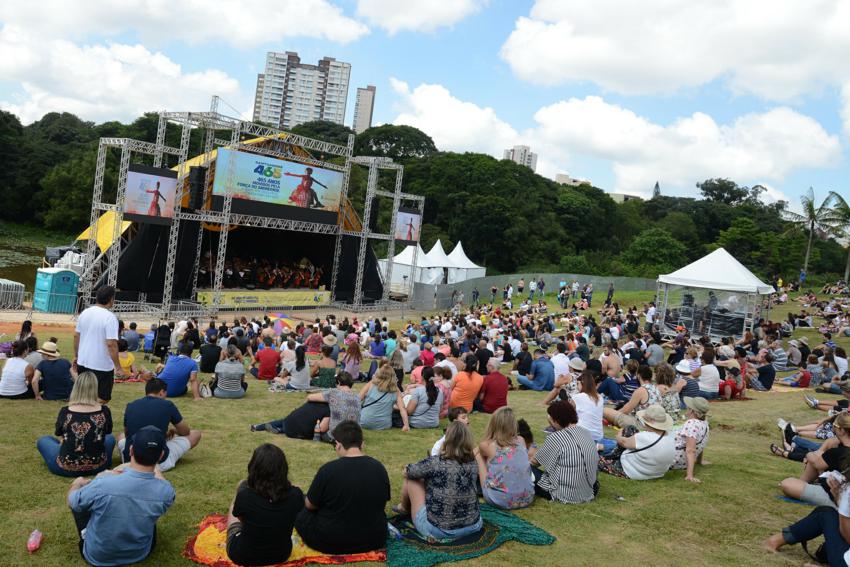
(406, 300)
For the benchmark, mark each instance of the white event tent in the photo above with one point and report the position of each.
(715, 296)
(435, 267)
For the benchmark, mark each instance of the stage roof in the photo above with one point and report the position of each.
(459, 259)
(718, 270)
(105, 230)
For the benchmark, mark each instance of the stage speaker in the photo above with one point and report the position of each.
(373, 215)
(197, 183)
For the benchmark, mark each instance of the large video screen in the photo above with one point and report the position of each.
(276, 181)
(408, 225)
(150, 194)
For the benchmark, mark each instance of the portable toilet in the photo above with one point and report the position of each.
(55, 290)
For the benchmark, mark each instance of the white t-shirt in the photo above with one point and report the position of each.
(709, 378)
(438, 446)
(590, 414)
(561, 362)
(448, 365)
(841, 364)
(649, 463)
(13, 382)
(96, 325)
(650, 314)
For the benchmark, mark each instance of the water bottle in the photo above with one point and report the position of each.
(34, 541)
(317, 431)
(393, 531)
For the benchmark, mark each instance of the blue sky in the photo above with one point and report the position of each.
(618, 92)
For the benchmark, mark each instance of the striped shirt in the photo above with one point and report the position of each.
(570, 459)
(229, 374)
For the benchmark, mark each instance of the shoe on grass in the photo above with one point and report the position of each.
(781, 423)
(811, 401)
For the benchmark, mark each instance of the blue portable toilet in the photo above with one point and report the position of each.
(55, 290)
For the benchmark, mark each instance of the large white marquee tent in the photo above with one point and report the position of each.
(435, 267)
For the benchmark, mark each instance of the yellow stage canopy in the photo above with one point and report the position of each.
(105, 230)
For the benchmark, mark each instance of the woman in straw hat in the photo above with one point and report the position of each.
(53, 375)
(647, 454)
(692, 437)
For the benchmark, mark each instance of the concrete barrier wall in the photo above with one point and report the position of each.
(427, 297)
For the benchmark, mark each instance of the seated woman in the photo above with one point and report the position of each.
(830, 456)
(824, 521)
(566, 385)
(692, 438)
(442, 377)
(351, 361)
(503, 466)
(378, 397)
(54, 376)
(647, 394)
(439, 493)
(589, 406)
(262, 515)
(16, 380)
(647, 454)
(85, 428)
(323, 372)
(230, 376)
(569, 457)
(424, 403)
(295, 374)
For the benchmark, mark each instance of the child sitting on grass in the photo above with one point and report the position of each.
(803, 378)
(455, 414)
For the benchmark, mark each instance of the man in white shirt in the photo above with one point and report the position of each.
(561, 361)
(96, 343)
(441, 360)
(532, 287)
(650, 316)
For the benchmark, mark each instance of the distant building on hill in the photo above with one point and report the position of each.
(523, 156)
(656, 191)
(567, 179)
(623, 197)
(364, 104)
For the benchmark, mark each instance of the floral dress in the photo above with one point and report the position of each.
(508, 484)
(695, 429)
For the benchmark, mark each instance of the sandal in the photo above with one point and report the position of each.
(778, 452)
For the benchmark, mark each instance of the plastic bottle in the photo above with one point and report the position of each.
(317, 431)
(34, 541)
(393, 531)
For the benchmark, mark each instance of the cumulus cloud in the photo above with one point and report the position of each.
(101, 82)
(757, 147)
(240, 23)
(395, 16)
(776, 49)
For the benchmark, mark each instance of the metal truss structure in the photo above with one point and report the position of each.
(220, 131)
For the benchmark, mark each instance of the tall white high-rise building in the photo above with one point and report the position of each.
(290, 93)
(523, 156)
(363, 107)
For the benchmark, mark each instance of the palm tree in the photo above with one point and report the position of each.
(841, 214)
(820, 218)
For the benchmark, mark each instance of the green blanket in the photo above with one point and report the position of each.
(499, 526)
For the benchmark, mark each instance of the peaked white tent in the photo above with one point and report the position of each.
(715, 296)
(403, 269)
(465, 269)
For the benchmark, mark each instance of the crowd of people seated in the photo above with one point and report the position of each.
(262, 273)
(585, 374)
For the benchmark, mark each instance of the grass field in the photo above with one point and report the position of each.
(666, 522)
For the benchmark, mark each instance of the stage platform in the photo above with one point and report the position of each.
(271, 298)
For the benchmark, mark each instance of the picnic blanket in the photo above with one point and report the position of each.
(412, 550)
(208, 547)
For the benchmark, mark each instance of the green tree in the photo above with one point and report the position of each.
(814, 219)
(841, 214)
(681, 227)
(723, 191)
(397, 142)
(654, 252)
(324, 130)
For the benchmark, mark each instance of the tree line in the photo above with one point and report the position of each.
(509, 218)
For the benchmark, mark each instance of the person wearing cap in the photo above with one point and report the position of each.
(116, 525)
(52, 375)
(84, 427)
(647, 454)
(155, 410)
(692, 437)
(566, 385)
(795, 357)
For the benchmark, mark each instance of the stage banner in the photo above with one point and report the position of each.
(257, 298)
(408, 225)
(276, 181)
(149, 196)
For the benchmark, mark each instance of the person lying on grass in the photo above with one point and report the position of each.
(832, 455)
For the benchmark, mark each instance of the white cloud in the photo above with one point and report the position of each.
(845, 107)
(757, 147)
(776, 49)
(102, 82)
(423, 16)
(240, 23)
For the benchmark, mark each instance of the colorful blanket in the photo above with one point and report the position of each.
(412, 550)
(208, 547)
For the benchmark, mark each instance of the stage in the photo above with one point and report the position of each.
(267, 298)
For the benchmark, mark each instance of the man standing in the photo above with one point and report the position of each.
(610, 299)
(575, 289)
(532, 287)
(154, 410)
(520, 285)
(475, 295)
(344, 508)
(650, 317)
(96, 343)
(493, 291)
(541, 287)
(116, 513)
